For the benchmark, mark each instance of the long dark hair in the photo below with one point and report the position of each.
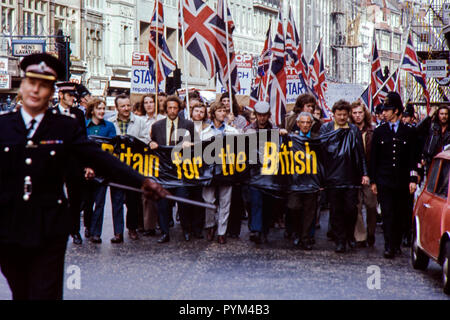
(233, 99)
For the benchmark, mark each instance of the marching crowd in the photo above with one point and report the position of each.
(394, 147)
(44, 148)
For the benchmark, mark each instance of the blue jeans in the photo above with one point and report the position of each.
(117, 199)
(256, 212)
(97, 215)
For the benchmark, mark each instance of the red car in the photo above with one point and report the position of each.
(431, 220)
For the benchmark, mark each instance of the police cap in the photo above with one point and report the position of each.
(67, 86)
(42, 66)
(82, 91)
(379, 109)
(393, 101)
(262, 107)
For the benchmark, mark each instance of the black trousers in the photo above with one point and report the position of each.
(192, 218)
(75, 196)
(395, 206)
(344, 212)
(34, 274)
(303, 210)
(132, 201)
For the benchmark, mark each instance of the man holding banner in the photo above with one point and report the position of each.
(350, 171)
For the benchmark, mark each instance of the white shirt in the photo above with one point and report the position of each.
(62, 110)
(27, 119)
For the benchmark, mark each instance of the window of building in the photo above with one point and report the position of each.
(396, 43)
(8, 15)
(385, 41)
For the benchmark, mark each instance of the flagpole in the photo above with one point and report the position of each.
(269, 71)
(156, 55)
(225, 15)
(403, 56)
(188, 115)
(385, 82)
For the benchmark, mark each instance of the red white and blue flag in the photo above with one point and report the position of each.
(295, 56)
(277, 76)
(160, 53)
(382, 94)
(223, 74)
(318, 82)
(411, 64)
(376, 78)
(205, 37)
(259, 86)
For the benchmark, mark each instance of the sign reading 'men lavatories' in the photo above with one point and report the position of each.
(141, 80)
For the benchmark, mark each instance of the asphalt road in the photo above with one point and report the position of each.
(199, 269)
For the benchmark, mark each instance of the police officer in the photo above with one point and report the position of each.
(35, 145)
(393, 172)
(67, 92)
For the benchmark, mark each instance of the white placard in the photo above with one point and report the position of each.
(436, 68)
(244, 66)
(141, 80)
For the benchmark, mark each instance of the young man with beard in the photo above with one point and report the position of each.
(169, 132)
(360, 116)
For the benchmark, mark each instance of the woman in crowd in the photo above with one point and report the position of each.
(97, 126)
(149, 217)
(147, 109)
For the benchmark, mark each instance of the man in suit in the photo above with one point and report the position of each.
(393, 175)
(343, 189)
(35, 146)
(169, 132)
(75, 182)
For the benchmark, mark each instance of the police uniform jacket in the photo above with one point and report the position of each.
(394, 156)
(33, 206)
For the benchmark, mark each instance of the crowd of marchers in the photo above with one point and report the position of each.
(395, 145)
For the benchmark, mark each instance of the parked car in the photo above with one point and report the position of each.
(431, 220)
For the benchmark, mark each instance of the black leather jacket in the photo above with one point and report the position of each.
(435, 142)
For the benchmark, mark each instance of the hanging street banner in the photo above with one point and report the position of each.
(141, 80)
(244, 64)
(264, 160)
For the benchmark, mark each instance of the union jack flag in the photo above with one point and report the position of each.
(264, 59)
(295, 56)
(411, 64)
(318, 82)
(205, 37)
(376, 78)
(386, 87)
(223, 73)
(258, 89)
(277, 76)
(166, 64)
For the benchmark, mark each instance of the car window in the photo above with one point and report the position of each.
(433, 175)
(442, 184)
